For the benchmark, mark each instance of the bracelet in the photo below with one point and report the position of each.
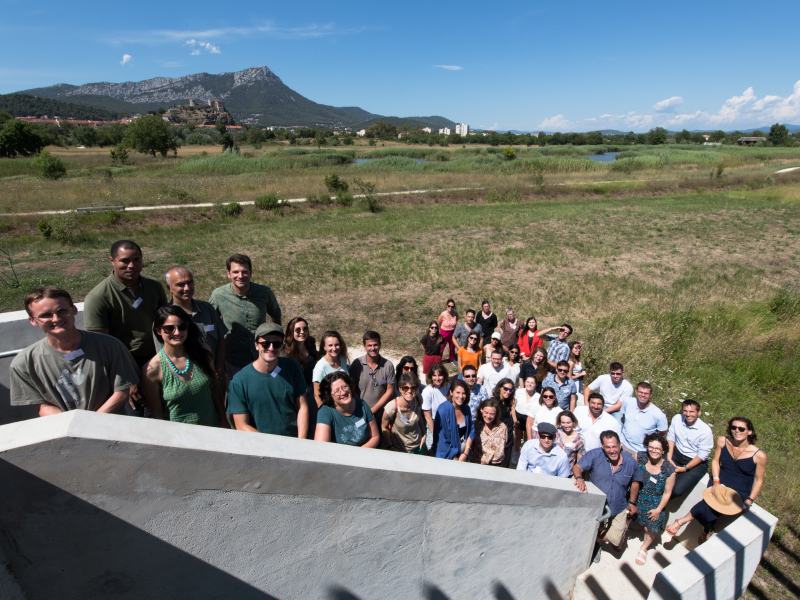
(716, 479)
(748, 499)
(576, 479)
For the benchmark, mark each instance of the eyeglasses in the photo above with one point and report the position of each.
(508, 389)
(61, 313)
(472, 337)
(267, 344)
(738, 428)
(301, 329)
(546, 436)
(341, 392)
(472, 376)
(171, 328)
(548, 396)
(655, 449)
(408, 388)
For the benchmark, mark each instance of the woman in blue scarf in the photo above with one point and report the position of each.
(453, 431)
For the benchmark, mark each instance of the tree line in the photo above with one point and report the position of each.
(24, 105)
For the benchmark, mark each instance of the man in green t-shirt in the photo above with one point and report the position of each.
(69, 369)
(269, 395)
(124, 306)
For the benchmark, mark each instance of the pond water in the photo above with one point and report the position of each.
(607, 157)
(361, 161)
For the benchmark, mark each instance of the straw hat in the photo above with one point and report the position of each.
(724, 500)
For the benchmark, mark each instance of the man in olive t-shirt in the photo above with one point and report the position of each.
(69, 369)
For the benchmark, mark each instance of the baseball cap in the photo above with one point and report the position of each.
(496, 336)
(267, 328)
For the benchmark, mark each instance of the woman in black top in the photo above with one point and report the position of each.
(300, 345)
(432, 342)
(487, 320)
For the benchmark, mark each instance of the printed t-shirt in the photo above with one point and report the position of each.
(128, 316)
(350, 431)
(269, 398)
(491, 376)
(82, 379)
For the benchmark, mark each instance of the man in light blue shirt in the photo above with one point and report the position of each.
(542, 455)
(640, 417)
(690, 442)
(566, 390)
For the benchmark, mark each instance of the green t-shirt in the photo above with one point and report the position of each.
(269, 398)
(352, 430)
(83, 379)
(127, 317)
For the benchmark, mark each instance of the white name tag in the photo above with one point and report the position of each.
(360, 422)
(276, 371)
(382, 382)
(73, 355)
(209, 328)
(654, 480)
(137, 302)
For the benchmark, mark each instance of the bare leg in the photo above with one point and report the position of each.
(673, 529)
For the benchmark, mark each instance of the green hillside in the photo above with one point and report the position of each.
(24, 105)
(433, 122)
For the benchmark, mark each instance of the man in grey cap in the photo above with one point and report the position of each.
(269, 395)
(542, 455)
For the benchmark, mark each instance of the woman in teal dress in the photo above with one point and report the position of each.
(658, 475)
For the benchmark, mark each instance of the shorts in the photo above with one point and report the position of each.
(616, 527)
(521, 420)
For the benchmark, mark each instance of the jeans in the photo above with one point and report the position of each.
(687, 480)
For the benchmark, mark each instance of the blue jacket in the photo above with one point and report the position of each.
(446, 441)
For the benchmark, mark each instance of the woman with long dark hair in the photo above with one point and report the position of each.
(738, 472)
(470, 353)
(491, 435)
(453, 431)
(179, 383)
(504, 395)
(403, 426)
(407, 364)
(333, 352)
(528, 340)
(432, 342)
(300, 347)
(447, 323)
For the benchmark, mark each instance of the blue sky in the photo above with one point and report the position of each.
(570, 65)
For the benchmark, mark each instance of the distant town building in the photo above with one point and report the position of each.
(707, 136)
(361, 133)
(426, 129)
(748, 141)
(166, 118)
(192, 102)
(462, 129)
(217, 104)
(444, 131)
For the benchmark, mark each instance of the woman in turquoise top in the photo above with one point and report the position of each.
(344, 419)
(179, 382)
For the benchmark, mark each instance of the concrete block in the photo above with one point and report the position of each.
(104, 505)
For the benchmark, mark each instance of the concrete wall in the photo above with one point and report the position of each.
(104, 505)
(721, 568)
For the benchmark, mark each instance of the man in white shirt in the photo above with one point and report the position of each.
(690, 443)
(640, 418)
(543, 456)
(613, 386)
(490, 374)
(592, 421)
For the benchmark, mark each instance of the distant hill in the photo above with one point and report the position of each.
(24, 105)
(433, 122)
(255, 95)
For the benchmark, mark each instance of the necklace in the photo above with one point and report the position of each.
(740, 452)
(174, 368)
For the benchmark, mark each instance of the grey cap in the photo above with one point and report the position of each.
(546, 428)
(267, 328)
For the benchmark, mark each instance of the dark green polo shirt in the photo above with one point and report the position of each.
(127, 316)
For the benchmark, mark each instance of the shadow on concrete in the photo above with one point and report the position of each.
(431, 592)
(501, 592)
(596, 589)
(551, 591)
(338, 593)
(60, 546)
(634, 578)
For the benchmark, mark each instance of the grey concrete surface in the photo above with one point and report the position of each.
(17, 333)
(102, 504)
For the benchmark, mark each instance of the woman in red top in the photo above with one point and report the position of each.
(447, 322)
(528, 341)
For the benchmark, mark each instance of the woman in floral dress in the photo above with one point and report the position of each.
(659, 476)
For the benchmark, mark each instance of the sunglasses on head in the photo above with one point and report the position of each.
(266, 344)
(738, 428)
(171, 328)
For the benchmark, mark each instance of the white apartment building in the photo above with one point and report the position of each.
(426, 129)
(361, 133)
(445, 131)
(462, 129)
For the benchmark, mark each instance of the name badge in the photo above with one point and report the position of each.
(209, 328)
(653, 480)
(73, 355)
(360, 422)
(137, 302)
(404, 420)
(276, 371)
(382, 382)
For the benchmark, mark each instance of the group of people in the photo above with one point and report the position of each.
(512, 402)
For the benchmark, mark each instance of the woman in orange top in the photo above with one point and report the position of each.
(470, 353)
(447, 322)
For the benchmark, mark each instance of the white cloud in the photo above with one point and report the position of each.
(739, 111)
(668, 105)
(212, 49)
(208, 46)
(449, 67)
(190, 42)
(493, 127)
(126, 58)
(195, 52)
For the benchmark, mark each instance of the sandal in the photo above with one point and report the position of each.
(673, 529)
(639, 560)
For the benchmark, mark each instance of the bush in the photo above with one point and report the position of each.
(65, 228)
(119, 154)
(49, 166)
(509, 153)
(370, 197)
(344, 199)
(45, 228)
(324, 199)
(111, 217)
(268, 202)
(335, 184)
(785, 304)
(233, 209)
(492, 196)
(371, 141)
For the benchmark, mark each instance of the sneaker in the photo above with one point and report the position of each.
(596, 558)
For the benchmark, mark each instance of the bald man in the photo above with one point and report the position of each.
(180, 282)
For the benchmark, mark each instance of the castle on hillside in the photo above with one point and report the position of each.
(200, 114)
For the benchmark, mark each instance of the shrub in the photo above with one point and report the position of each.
(119, 154)
(371, 141)
(45, 228)
(49, 166)
(324, 199)
(509, 153)
(344, 199)
(111, 217)
(785, 304)
(492, 196)
(268, 202)
(335, 184)
(232, 209)
(65, 228)
(370, 197)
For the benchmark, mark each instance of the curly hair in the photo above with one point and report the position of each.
(655, 437)
(327, 383)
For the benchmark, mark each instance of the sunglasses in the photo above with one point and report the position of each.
(433, 328)
(408, 388)
(451, 306)
(508, 389)
(171, 328)
(563, 370)
(546, 436)
(738, 428)
(549, 396)
(301, 329)
(473, 376)
(266, 345)
(409, 367)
